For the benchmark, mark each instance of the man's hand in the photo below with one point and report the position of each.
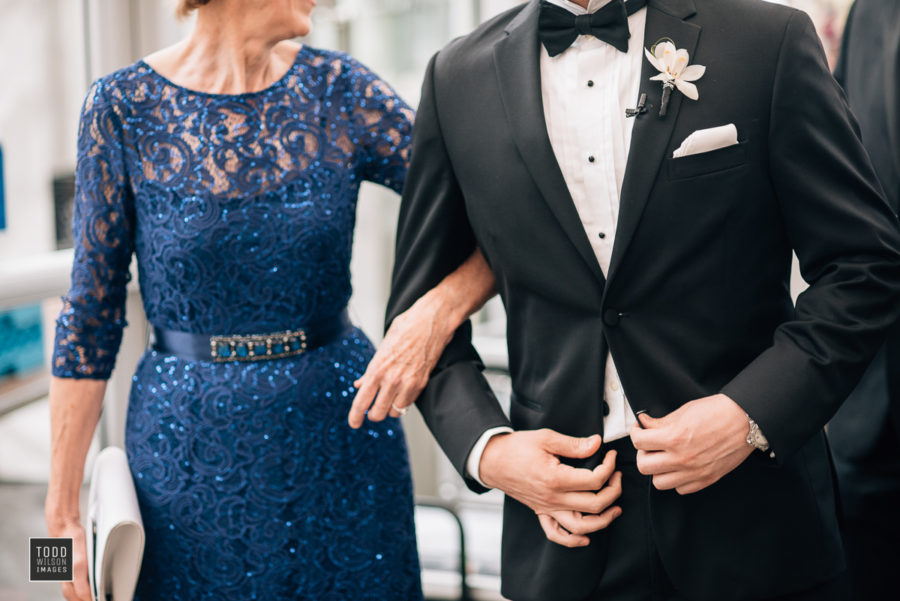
(570, 528)
(694, 446)
(570, 502)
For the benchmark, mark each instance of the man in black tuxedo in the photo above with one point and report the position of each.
(865, 432)
(638, 282)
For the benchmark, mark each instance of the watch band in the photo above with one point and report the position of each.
(755, 437)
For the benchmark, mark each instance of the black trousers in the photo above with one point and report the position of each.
(870, 499)
(634, 571)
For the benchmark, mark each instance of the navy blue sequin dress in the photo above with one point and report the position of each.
(240, 209)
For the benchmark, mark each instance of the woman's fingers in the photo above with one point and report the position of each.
(68, 591)
(386, 395)
(405, 398)
(381, 395)
(368, 388)
(78, 589)
(400, 368)
(81, 586)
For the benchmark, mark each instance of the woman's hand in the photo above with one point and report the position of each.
(400, 368)
(58, 526)
(74, 412)
(416, 339)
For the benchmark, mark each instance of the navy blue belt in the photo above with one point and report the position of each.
(250, 347)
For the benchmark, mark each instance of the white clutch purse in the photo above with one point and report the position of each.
(115, 531)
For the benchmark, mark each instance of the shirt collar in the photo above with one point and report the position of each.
(570, 6)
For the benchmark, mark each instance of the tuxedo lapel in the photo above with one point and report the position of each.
(517, 63)
(651, 134)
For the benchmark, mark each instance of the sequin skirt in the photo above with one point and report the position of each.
(253, 486)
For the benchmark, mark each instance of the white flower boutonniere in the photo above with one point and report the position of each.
(675, 71)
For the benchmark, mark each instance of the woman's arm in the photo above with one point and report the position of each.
(74, 413)
(89, 328)
(413, 344)
(417, 338)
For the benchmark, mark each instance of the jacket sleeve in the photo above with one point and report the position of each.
(434, 237)
(848, 244)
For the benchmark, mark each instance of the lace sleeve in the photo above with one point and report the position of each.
(89, 328)
(385, 124)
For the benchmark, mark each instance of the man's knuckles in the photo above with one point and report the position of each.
(645, 467)
(579, 526)
(599, 477)
(663, 482)
(549, 480)
(599, 504)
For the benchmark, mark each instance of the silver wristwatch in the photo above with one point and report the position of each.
(755, 437)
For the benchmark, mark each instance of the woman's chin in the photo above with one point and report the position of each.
(302, 28)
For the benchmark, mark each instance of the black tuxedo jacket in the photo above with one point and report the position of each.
(866, 430)
(697, 298)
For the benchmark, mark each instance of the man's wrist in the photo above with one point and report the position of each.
(752, 434)
(473, 463)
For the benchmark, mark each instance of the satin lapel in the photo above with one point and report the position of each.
(517, 62)
(651, 134)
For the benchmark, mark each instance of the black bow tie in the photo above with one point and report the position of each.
(558, 27)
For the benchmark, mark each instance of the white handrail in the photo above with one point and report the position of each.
(34, 278)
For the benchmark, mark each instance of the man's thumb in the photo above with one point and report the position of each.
(570, 446)
(647, 421)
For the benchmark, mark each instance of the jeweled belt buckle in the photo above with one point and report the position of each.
(257, 347)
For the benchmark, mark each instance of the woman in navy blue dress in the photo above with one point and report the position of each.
(230, 165)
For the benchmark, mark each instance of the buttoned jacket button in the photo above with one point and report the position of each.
(611, 317)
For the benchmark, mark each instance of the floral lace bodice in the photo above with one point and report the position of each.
(240, 208)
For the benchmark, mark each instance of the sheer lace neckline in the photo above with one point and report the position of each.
(274, 85)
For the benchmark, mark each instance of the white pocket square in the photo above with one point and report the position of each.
(707, 140)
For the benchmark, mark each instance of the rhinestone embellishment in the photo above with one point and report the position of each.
(257, 347)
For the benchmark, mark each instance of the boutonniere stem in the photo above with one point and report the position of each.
(666, 94)
(675, 71)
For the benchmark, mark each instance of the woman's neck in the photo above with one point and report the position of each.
(227, 53)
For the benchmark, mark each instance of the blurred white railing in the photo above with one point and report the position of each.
(32, 279)
(24, 281)
(37, 278)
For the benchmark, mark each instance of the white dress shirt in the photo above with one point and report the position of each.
(586, 90)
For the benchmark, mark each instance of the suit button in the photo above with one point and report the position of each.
(605, 409)
(611, 317)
